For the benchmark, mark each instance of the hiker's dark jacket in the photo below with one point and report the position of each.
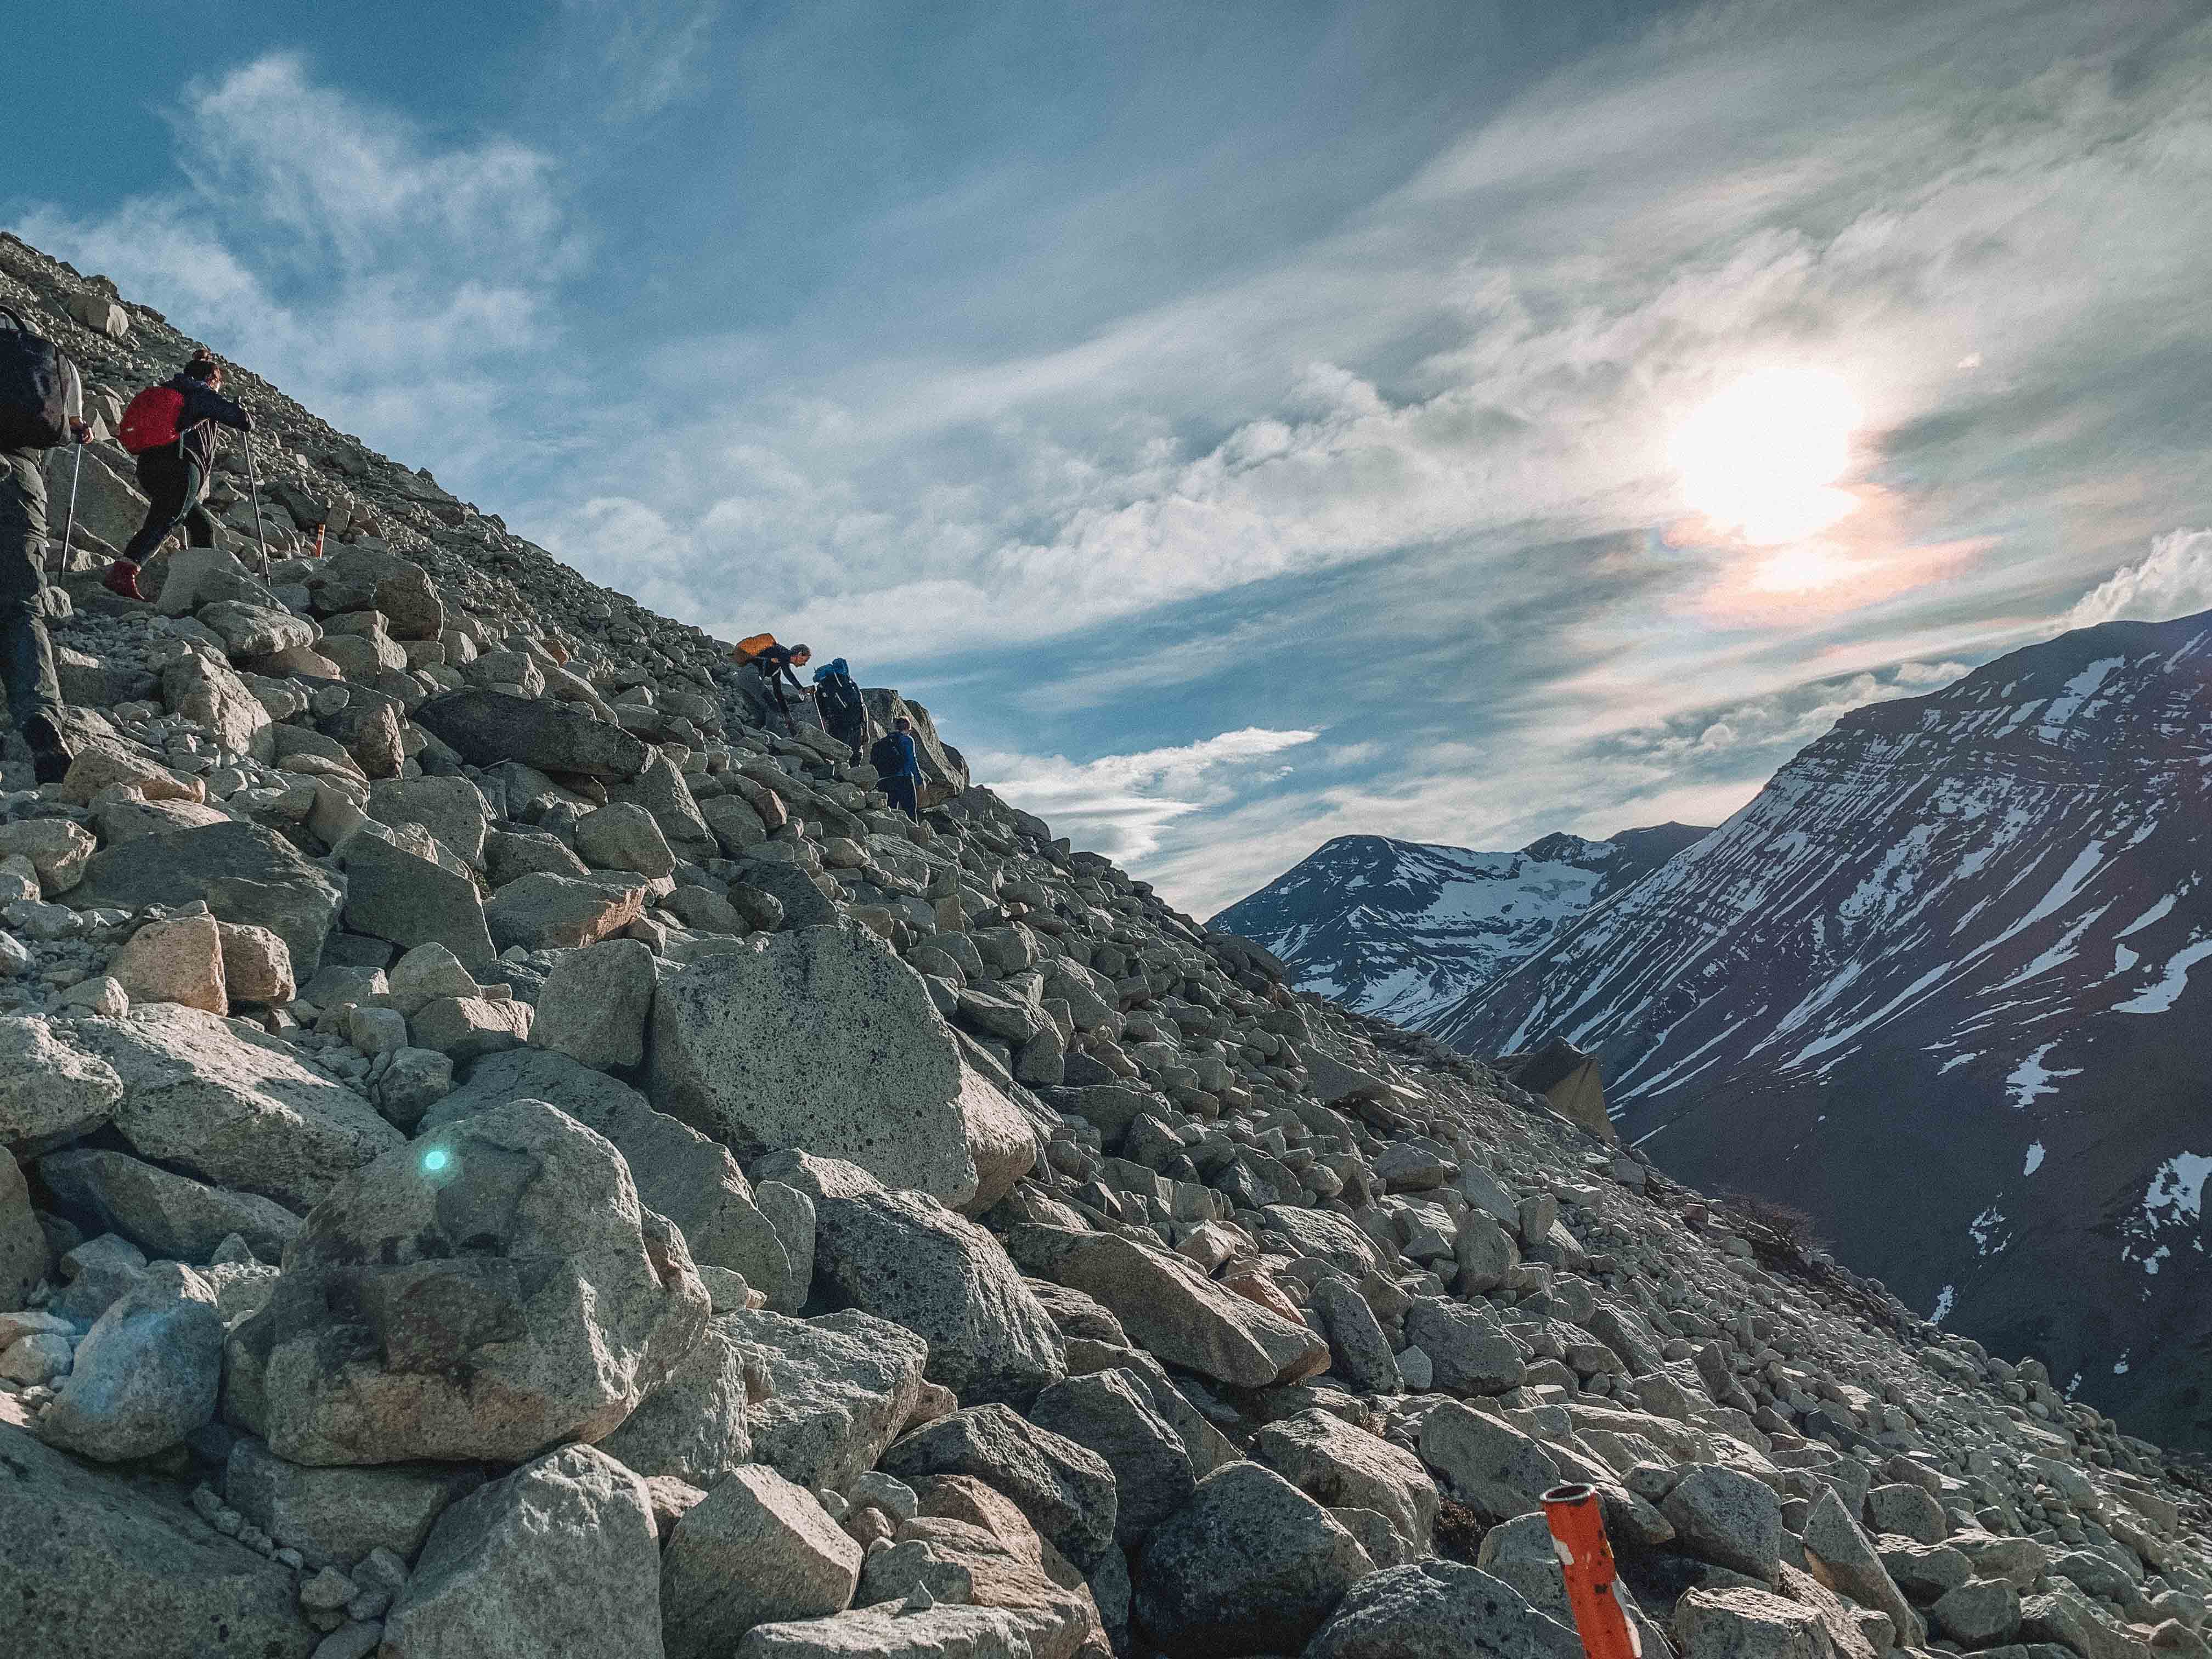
(204, 410)
(775, 661)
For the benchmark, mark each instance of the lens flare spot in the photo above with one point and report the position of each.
(437, 1159)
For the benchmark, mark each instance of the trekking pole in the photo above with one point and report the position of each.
(1577, 1526)
(254, 483)
(68, 534)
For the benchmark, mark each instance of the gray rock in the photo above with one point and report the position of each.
(1487, 1462)
(759, 1550)
(464, 1029)
(49, 1091)
(1171, 1310)
(560, 1557)
(451, 809)
(1359, 1354)
(23, 1252)
(164, 1214)
(1330, 1237)
(546, 912)
(624, 836)
(1485, 1254)
(1112, 1412)
(1746, 1624)
(1346, 1468)
(493, 1288)
(1250, 1565)
(246, 874)
(335, 1516)
(1065, 1490)
(692, 1427)
(1468, 1353)
(486, 727)
(1906, 1509)
(2066, 1618)
(790, 1212)
(842, 1388)
(394, 892)
(146, 1375)
(679, 1173)
(936, 1633)
(823, 1040)
(1980, 1614)
(236, 1109)
(1848, 1557)
(1440, 1610)
(1722, 1515)
(904, 1257)
(594, 1005)
(98, 1564)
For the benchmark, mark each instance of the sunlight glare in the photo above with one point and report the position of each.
(1762, 458)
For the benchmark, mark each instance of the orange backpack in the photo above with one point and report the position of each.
(751, 647)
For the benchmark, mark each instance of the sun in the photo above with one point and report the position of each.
(1762, 459)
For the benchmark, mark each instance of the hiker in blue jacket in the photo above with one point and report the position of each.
(898, 765)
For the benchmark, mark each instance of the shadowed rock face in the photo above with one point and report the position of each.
(1252, 1300)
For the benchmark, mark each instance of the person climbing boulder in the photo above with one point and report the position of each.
(40, 407)
(774, 667)
(844, 712)
(170, 430)
(898, 765)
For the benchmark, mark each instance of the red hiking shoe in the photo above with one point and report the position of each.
(121, 580)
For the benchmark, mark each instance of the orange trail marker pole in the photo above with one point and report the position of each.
(1577, 1526)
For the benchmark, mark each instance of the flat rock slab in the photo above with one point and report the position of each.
(486, 727)
(237, 1110)
(95, 1564)
(842, 1388)
(824, 1041)
(247, 875)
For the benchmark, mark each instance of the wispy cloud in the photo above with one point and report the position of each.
(392, 282)
(639, 55)
(1119, 804)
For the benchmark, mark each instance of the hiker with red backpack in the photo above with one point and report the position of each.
(170, 428)
(41, 407)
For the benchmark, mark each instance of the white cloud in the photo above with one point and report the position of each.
(1121, 804)
(394, 284)
(2174, 579)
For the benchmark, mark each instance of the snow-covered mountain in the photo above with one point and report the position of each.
(1941, 985)
(1404, 931)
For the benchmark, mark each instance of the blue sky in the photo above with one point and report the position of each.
(1243, 424)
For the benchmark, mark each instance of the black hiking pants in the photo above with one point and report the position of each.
(905, 797)
(174, 486)
(27, 656)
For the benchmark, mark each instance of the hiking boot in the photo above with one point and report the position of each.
(50, 753)
(121, 580)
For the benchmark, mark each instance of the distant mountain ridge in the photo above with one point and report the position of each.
(1943, 985)
(1405, 930)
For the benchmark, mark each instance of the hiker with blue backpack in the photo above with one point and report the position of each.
(898, 767)
(170, 428)
(41, 407)
(844, 712)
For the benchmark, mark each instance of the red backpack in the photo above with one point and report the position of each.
(151, 419)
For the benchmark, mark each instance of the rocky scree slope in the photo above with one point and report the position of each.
(1951, 953)
(1406, 931)
(486, 1178)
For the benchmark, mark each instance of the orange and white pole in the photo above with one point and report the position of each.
(1577, 1526)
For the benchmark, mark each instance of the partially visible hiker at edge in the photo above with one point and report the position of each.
(898, 765)
(776, 662)
(170, 428)
(844, 712)
(41, 407)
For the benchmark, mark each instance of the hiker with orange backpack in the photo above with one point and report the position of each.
(170, 428)
(41, 403)
(772, 661)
